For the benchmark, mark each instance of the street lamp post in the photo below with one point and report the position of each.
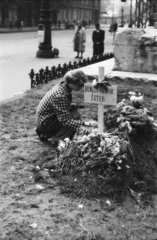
(122, 8)
(45, 47)
(130, 25)
(113, 13)
(122, 25)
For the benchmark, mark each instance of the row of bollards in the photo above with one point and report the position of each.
(46, 75)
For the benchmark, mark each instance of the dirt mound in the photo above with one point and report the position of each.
(91, 168)
(38, 202)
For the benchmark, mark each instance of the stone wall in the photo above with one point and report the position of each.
(135, 50)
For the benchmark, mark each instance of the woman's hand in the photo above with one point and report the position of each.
(91, 124)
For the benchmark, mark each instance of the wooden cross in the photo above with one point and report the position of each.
(100, 96)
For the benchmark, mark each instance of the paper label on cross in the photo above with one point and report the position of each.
(101, 97)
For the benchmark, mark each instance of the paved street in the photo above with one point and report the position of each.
(18, 57)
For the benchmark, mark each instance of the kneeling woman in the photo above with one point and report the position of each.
(56, 116)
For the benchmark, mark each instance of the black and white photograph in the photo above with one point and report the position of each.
(78, 119)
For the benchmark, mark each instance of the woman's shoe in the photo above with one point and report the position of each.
(81, 57)
(77, 57)
(42, 137)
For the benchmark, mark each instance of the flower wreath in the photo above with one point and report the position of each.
(104, 84)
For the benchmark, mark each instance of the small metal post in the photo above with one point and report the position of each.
(101, 107)
(32, 74)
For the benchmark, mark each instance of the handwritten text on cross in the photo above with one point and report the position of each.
(100, 95)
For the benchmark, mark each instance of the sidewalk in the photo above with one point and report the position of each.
(115, 77)
(18, 54)
(89, 70)
(33, 29)
(25, 29)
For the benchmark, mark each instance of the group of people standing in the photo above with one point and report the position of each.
(98, 37)
(18, 24)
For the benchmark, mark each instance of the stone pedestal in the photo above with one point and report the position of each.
(135, 50)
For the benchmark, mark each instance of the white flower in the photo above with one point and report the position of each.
(128, 126)
(117, 144)
(121, 104)
(108, 141)
(136, 99)
(94, 83)
(127, 166)
(33, 225)
(118, 167)
(133, 98)
(145, 110)
(99, 149)
(102, 143)
(105, 134)
(80, 205)
(122, 124)
(127, 109)
(154, 124)
(95, 131)
(110, 160)
(132, 93)
(91, 135)
(86, 145)
(151, 119)
(140, 99)
(115, 139)
(120, 118)
(93, 123)
(115, 151)
(61, 145)
(67, 140)
(108, 202)
(60, 148)
(40, 187)
(84, 139)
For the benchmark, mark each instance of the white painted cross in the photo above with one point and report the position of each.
(101, 97)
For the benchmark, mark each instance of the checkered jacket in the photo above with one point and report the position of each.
(55, 107)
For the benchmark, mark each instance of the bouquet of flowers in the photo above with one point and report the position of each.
(93, 150)
(129, 115)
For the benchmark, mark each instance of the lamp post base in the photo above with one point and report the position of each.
(45, 54)
(44, 32)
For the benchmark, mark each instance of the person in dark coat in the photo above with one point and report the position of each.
(114, 29)
(98, 37)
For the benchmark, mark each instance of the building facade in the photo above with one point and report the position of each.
(16, 11)
(83, 10)
(146, 12)
(28, 11)
(153, 12)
